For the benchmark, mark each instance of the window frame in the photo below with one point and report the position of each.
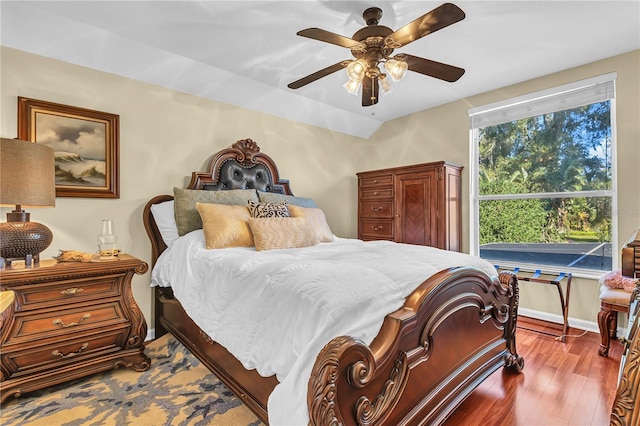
(513, 109)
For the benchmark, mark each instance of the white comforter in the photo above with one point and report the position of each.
(275, 310)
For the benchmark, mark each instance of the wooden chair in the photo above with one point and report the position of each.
(612, 301)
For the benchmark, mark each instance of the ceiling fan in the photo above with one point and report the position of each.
(373, 45)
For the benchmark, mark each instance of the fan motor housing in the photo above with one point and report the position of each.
(373, 37)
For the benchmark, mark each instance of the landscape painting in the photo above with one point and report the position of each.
(85, 144)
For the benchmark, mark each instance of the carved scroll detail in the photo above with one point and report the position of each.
(323, 384)
(368, 413)
(624, 406)
(321, 397)
(510, 282)
(248, 149)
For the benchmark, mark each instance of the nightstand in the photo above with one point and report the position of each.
(69, 320)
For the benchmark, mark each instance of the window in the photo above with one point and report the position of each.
(543, 179)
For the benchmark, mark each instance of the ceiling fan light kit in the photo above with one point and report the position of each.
(373, 45)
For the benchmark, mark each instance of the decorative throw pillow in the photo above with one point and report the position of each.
(272, 197)
(268, 209)
(187, 217)
(281, 232)
(316, 220)
(225, 225)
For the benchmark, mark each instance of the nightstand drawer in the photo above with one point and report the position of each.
(375, 209)
(62, 323)
(72, 291)
(68, 351)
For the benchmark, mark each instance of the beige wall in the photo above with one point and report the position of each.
(164, 135)
(443, 133)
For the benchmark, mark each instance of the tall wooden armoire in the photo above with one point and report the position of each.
(418, 204)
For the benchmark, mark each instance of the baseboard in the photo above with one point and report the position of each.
(557, 319)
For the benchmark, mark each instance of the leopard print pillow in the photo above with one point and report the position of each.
(262, 210)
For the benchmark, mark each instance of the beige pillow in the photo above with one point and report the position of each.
(187, 217)
(225, 225)
(316, 220)
(281, 233)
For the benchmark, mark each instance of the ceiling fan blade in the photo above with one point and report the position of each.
(370, 91)
(329, 37)
(440, 17)
(432, 68)
(317, 75)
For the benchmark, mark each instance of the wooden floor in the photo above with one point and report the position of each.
(561, 384)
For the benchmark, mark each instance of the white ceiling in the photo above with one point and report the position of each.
(245, 53)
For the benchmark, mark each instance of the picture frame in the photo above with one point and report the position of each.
(86, 143)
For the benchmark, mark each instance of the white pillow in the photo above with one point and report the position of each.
(164, 216)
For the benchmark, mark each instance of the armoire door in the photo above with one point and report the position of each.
(415, 208)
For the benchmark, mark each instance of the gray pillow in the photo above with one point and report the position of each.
(187, 216)
(270, 197)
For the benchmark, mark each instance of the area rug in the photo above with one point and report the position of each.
(176, 390)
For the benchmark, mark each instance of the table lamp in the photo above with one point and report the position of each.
(27, 179)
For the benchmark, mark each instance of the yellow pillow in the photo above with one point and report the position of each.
(225, 225)
(316, 220)
(281, 233)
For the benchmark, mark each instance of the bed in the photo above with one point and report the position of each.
(446, 333)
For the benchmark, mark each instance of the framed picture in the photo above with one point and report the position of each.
(85, 143)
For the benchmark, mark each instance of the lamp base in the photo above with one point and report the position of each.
(23, 240)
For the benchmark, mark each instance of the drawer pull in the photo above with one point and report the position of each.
(71, 324)
(376, 193)
(376, 209)
(71, 291)
(375, 181)
(59, 354)
(376, 228)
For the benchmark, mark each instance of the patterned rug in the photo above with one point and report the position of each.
(176, 390)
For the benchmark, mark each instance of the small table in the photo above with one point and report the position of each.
(69, 320)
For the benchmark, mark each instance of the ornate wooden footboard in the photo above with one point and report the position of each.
(456, 329)
(453, 331)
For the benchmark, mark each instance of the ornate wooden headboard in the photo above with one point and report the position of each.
(242, 166)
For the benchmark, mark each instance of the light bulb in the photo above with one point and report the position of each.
(397, 69)
(357, 69)
(352, 86)
(384, 83)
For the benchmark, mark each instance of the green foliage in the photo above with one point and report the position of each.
(511, 221)
(564, 151)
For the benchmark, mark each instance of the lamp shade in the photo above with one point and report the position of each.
(27, 174)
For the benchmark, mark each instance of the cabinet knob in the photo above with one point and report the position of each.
(376, 209)
(376, 228)
(376, 193)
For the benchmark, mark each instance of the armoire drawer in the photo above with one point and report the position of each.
(377, 193)
(380, 181)
(376, 229)
(376, 209)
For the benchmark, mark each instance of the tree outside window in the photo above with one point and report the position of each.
(545, 189)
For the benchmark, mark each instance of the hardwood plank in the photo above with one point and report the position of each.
(561, 384)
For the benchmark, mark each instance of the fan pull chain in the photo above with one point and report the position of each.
(373, 90)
